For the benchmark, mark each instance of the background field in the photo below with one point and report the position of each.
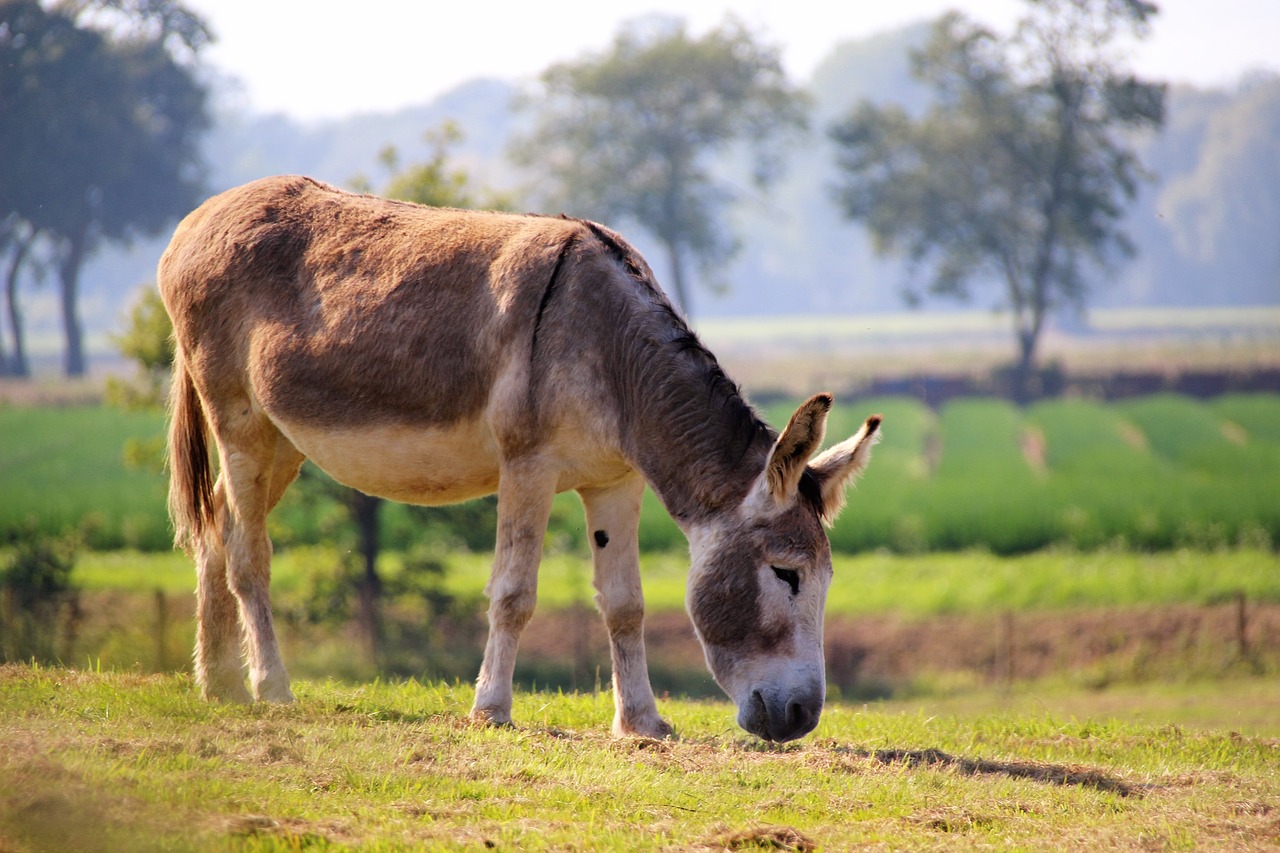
(1154, 516)
(1152, 473)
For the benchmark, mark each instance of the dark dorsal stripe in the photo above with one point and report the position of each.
(548, 290)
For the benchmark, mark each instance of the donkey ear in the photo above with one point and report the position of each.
(837, 468)
(797, 443)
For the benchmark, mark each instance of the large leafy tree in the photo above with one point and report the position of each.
(637, 134)
(100, 112)
(1019, 170)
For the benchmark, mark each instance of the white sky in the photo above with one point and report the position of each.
(322, 60)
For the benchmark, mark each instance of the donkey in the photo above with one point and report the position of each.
(430, 355)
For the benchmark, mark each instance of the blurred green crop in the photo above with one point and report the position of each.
(1148, 474)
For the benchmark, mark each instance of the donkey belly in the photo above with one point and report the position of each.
(412, 464)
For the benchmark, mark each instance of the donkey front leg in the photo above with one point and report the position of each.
(613, 515)
(525, 491)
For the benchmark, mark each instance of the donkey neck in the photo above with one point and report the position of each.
(682, 422)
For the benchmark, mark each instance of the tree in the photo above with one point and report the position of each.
(35, 50)
(637, 133)
(435, 181)
(101, 112)
(36, 589)
(17, 239)
(147, 341)
(1019, 169)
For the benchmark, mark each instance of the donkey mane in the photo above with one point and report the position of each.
(738, 423)
(671, 383)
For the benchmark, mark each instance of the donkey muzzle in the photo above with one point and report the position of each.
(781, 715)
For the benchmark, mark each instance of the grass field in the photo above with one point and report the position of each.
(63, 469)
(1154, 473)
(105, 762)
(916, 586)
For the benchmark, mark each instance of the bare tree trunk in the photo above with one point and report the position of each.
(15, 363)
(69, 275)
(366, 510)
(1024, 369)
(1029, 307)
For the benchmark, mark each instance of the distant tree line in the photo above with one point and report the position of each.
(1015, 174)
(1020, 168)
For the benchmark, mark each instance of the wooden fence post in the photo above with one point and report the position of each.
(1242, 626)
(1007, 648)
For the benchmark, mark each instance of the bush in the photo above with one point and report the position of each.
(37, 597)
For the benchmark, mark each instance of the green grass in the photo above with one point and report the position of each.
(975, 582)
(917, 586)
(1244, 705)
(117, 761)
(1257, 414)
(136, 571)
(1178, 428)
(63, 469)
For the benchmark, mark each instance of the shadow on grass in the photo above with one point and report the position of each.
(1052, 774)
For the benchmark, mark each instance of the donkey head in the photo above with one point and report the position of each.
(759, 577)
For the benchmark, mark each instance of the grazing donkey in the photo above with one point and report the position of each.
(432, 356)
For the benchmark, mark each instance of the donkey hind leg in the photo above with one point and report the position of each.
(255, 475)
(219, 666)
(613, 514)
(525, 492)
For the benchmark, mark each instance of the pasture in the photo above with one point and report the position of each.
(111, 761)
(974, 521)
(1153, 515)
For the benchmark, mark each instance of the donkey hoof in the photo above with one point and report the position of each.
(491, 716)
(654, 728)
(231, 693)
(278, 697)
(274, 690)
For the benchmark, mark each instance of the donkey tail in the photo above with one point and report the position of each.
(190, 469)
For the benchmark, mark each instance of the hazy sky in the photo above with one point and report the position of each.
(321, 60)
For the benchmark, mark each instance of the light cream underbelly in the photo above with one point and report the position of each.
(422, 465)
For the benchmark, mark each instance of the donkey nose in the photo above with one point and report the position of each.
(785, 718)
(802, 718)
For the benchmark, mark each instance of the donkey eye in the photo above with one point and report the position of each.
(788, 576)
